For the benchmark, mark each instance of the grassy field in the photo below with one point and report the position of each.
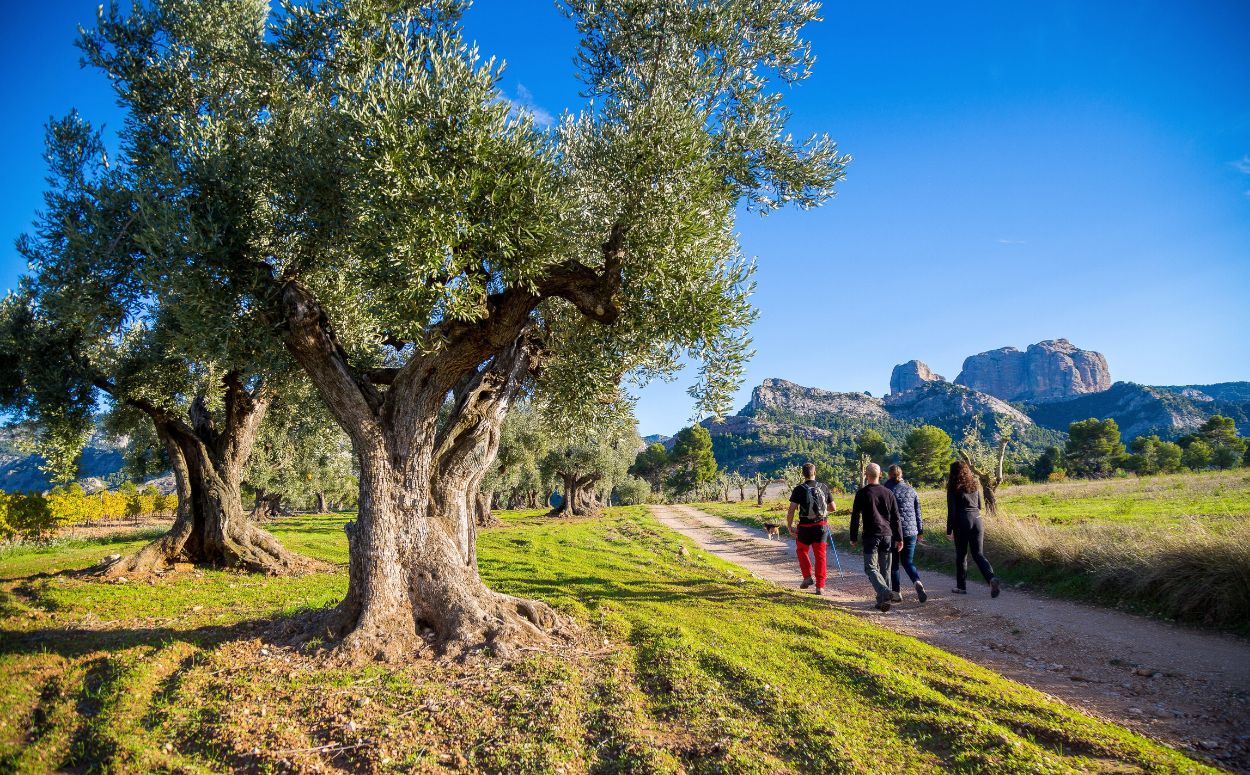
(1171, 546)
(687, 666)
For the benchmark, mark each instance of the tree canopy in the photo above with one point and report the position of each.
(1094, 448)
(927, 453)
(691, 462)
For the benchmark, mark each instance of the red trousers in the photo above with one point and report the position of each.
(805, 563)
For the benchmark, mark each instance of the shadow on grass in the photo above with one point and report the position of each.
(73, 642)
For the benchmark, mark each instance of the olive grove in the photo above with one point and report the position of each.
(343, 181)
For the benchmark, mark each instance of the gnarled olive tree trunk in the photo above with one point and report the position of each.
(579, 495)
(211, 526)
(267, 505)
(413, 572)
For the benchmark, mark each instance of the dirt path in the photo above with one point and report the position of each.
(1186, 688)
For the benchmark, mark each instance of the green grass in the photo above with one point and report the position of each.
(687, 665)
(1176, 547)
(1219, 498)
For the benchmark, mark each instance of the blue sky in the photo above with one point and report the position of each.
(1022, 172)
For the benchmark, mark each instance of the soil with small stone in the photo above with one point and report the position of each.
(1186, 688)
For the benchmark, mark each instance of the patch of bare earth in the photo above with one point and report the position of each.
(1187, 688)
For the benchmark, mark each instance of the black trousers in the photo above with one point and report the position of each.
(970, 539)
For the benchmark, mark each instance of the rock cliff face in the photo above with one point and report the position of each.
(937, 401)
(912, 374)
(779, 396)
(1054, 370)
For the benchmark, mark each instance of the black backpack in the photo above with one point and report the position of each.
(816, 504)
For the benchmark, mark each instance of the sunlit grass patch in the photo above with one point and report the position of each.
(687, 665)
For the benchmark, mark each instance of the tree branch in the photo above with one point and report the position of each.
(310, 339)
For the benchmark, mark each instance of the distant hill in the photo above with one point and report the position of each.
(786, 423)
(1223, 391)
(1141, 410)
(20, 469)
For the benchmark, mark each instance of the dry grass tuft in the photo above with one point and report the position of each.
(1186, 570)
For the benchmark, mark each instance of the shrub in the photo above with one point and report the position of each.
(632, 490)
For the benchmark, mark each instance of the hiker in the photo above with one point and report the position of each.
(879, 511)
(909, 519)
(963, 521)
(813, 501)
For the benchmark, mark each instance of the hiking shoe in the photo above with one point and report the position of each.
(883, 606)
(819, 590)
(921, 595)
(994, 587)
(807, 582)
(959, 591)
(896, 597)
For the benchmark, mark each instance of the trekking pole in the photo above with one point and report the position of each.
(832, 547)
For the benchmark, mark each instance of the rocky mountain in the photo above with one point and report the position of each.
(779, 396)
(912, 374)
(785, 423)
(1042, 390)
(20, 469)
(1052, 370)
(940, 403)
(1141, 410)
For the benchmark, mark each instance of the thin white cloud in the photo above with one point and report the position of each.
(1242, 165)
(523, 103)
(1011, 242)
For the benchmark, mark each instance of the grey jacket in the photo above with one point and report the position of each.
(908, 507)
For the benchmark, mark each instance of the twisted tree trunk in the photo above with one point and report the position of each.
(211, 526)
(267, 506)
(579, 497)
(412, 574)
(322, 507)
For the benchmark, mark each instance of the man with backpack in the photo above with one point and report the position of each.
(813, 501)
(876, 506)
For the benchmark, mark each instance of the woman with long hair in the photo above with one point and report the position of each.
(963, 522)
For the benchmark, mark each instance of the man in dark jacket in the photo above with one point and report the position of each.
(876, 506)
(814, 502)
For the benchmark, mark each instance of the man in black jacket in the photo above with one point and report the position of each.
(878, 509)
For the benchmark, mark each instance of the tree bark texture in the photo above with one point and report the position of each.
(413, 577)
(579, 495)
(211, 526)
(268, 505)
(322, 508)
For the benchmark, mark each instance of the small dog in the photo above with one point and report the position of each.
(773, 529)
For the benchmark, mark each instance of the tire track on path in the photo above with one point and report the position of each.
(1184, 687)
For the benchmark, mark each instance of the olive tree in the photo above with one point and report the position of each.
(425, 255)
(588, 464)
(96, 322)
(517, 474)
(300, 456)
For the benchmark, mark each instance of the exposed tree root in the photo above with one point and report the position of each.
(246, 548)
(510, 626)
